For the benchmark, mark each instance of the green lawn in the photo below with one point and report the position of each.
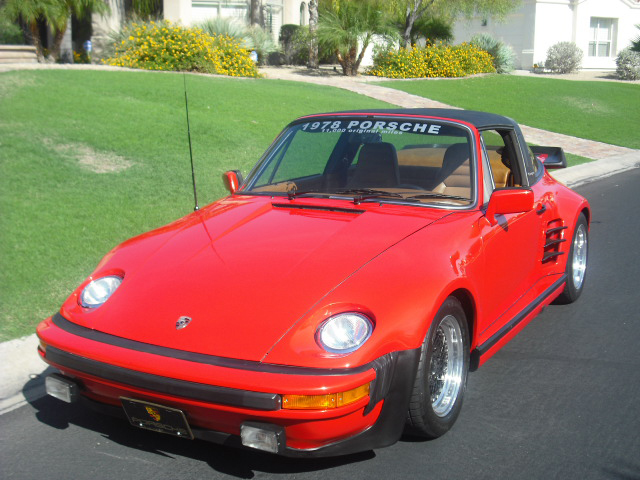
(89, 158)
(604, 111)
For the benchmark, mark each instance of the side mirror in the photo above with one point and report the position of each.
(232, 180)
(509, 200)
(550, 157)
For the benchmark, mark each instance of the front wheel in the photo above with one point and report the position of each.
(576, 270)
(441, 379)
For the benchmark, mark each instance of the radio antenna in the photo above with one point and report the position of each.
(193, 173)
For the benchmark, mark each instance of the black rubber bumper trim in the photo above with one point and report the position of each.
(500, 334)
(165, 385)
(396, 374)
(95, 335)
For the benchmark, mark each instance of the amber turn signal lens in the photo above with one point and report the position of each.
(323, 402)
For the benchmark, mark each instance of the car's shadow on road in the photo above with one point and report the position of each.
(240, 463)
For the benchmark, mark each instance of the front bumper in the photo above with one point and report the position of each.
(107, 369)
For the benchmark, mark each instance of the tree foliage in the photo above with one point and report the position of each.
(147, 8)
(413, 10)
(347, 27)
(55, 13)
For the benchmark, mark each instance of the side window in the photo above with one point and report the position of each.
(487, 181)
(532, 166)
(503, 158)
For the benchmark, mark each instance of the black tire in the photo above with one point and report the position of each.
(576, 263)
(435, 404)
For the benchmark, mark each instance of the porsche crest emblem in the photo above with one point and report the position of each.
(182, 322)
(153, 413)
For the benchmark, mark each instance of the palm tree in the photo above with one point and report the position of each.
(349, 29)
(31, 12)
(66, 8)
(55, 13)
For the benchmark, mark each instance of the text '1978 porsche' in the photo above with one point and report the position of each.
(338, 296)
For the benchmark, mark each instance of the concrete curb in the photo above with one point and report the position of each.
(592, 171)
(20, 373)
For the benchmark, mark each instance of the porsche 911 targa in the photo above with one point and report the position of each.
(338, 296)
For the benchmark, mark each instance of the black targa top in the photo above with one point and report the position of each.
(481, 120)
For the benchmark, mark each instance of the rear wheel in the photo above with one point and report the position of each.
(441, 379)
(576, 262)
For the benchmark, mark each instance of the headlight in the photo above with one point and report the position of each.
(98, 291)
(344, 333)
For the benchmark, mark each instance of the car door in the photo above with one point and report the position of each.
(511, 247)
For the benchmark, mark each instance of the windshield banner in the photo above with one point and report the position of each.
(394, 127)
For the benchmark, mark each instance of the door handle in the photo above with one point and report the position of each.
(541, 209)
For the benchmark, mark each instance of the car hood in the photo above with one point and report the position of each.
(244, 270)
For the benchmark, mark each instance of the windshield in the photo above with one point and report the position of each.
(369, 159)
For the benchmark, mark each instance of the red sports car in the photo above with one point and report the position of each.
(339, 296)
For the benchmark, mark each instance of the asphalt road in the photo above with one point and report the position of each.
(562, 400)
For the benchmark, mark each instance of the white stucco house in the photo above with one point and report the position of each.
(601, 28)
(275, 13)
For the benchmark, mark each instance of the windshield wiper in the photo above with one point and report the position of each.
(361, 194)
(437, 195)
(293, 191)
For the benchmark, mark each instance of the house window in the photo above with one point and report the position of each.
(601, 37)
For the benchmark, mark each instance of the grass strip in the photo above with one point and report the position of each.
(91, 158)
(607, 112)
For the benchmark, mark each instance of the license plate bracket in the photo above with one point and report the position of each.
(158, 418)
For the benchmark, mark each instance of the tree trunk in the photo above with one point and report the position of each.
(348, 61)
(410, 18)
(414, 13)
(313, 34)
(254, 14)
(365, 45)
(37, 41)
(406, 34)
(57, 41)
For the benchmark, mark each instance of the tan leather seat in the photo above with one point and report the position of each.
(377, 167)
(499, 170)
(455, 174)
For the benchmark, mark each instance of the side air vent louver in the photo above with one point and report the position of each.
(554, 236)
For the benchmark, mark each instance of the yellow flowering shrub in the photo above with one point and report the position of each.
(165, 46)
(437, 60)
(81, 57)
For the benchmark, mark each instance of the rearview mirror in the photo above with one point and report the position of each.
(509, 200)
(232, 180)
